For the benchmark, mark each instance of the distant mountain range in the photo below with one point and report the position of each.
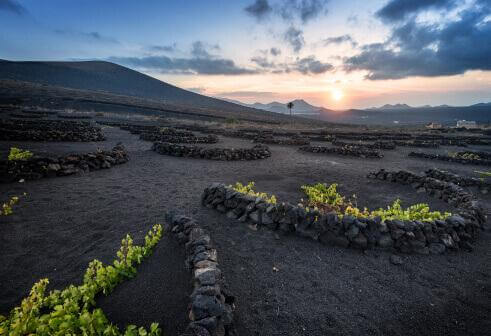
(407, 107)
(300, 107)
(386, 114)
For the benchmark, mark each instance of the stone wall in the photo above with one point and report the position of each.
(49, 130)
(385, 145)
(331, 229)
(208, 139)
(345, 150)
(224, 154)
(484, 186)
(212, 307)
(294, 141)
(39, 167)
(465, 203)
(417, 143)
(448, 158)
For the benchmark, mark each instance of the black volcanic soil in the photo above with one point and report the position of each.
(66, 222)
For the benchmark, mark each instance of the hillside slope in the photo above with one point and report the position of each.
(108, 77)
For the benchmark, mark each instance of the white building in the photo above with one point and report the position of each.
(466, 124)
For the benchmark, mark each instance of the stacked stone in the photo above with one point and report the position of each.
(49, 130)
(385, 145)
(74, 116)
(211, 309)
(44, 113)
(39, 167)
(448, 158)
(294, 141)
(417, 143)
(208, 139)
(25, 115)
(462, 181)
(257, 152)
(175, 132)
(345, 150)
(468, 207)
(331, 229)
(326, 138)
(138, 129)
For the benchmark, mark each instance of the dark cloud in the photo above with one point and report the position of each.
(417, 49)
(263, 62)
(202, 66)
(310, 65)
(305, 10)
(163, 48)
(339, 40)
(260, 9)
(93, 36)
(295, 38)
(201, 62)
(397, 10)
(275, 51)
(12, 6)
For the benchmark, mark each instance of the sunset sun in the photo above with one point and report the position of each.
(337, 94)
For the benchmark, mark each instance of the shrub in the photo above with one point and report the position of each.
(249, 190)
(232, 121)
(71, 311)
(465, 155)
(7, 207)
(326, 198)
(17, 154)
(484, 175)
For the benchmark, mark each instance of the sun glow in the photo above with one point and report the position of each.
(337, 94)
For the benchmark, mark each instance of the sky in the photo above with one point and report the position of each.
(336, 54)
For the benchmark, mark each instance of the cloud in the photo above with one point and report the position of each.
(310, 65)
(306, 65)
(94, 36)
(163, 48)
(340, 39)
(201, 62)
(419, 49)
(305, 10)
(397, 10)
(262, 62)
(248, 94)
(12, 6)
(275, 51)
(295, 38)
(260, 9)
(288, 10)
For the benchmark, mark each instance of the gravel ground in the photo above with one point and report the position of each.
(66, 222)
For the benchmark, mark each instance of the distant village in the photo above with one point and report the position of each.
(461, 124)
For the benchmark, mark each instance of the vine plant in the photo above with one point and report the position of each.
(72, 311)
(7, 207)
(325, 198)
(17, 154)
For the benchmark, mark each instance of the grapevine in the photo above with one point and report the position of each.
(71, 311)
